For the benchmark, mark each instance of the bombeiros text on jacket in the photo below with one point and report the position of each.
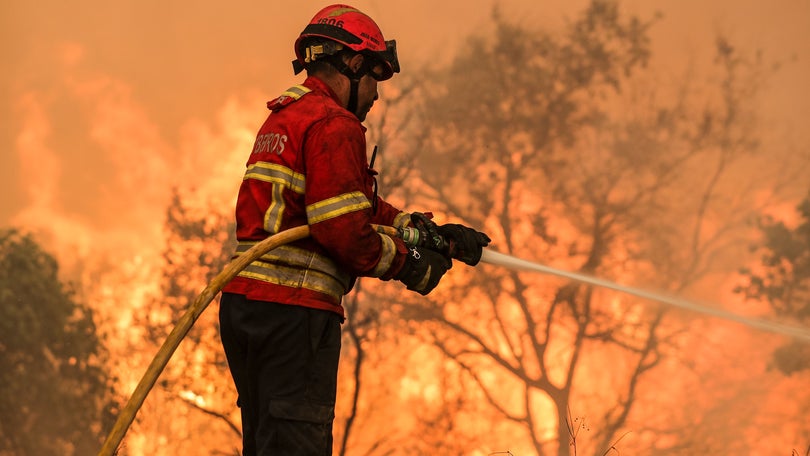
(270, 142)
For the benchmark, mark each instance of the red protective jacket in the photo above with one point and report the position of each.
(309, 166)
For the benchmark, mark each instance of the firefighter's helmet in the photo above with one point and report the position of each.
(338, 27)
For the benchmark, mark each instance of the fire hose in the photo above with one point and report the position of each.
(184, 324)
(161, 359)
(127, 415)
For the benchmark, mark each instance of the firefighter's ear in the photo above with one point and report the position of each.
(356, 62)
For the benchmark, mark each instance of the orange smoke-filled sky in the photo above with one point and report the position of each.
(108, 104)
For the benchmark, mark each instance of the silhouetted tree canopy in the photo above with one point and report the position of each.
(54, 394)
(784, 281)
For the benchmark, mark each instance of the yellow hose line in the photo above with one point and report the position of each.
(182, 328)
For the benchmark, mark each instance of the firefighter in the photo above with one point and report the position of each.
(280, 317)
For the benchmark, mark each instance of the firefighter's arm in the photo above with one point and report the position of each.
(338, 201)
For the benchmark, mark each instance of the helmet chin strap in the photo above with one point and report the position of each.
(354, 86)
(352, 106)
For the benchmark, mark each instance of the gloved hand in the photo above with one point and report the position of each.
(428, 233)
(423, 269)
(465, 244)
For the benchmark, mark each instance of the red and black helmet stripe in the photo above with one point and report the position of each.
(331, 31)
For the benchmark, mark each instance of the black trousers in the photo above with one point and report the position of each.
(284, 362)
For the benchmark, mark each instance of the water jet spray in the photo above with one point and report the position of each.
(511, 262)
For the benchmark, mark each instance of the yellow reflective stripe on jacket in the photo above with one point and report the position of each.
(296, 267)
(296, 91)
(298, 257)
(294, 278)
(402, 220)
(389, 252)
(281, 177)
(336, 206)
(272, 216)
(277, 174)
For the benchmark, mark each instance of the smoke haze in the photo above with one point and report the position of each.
(108, 105)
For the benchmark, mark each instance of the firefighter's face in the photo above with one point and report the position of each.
(367, 87)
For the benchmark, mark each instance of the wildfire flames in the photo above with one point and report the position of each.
(108, 120)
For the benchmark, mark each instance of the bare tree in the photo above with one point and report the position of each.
(543, 141)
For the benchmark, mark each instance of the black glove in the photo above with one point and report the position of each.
(428, 234)
(465, 244)
(423, 269)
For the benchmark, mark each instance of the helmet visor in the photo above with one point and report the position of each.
(383, 64)
(390, 55)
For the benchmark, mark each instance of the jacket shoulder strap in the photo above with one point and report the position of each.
(290, 95)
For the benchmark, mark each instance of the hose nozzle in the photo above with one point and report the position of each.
(414, 237)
